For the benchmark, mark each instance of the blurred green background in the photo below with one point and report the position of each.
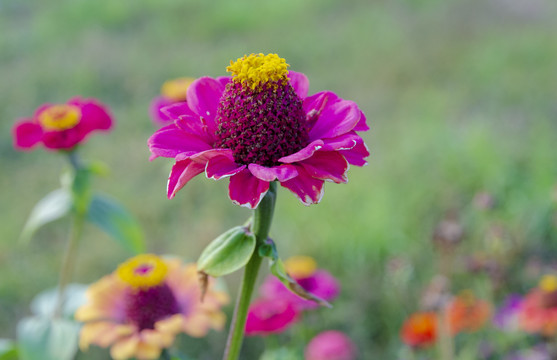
(461, 97)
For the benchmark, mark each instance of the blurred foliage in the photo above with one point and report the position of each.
(460, 96)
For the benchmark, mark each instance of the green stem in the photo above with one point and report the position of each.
(68, 262)
(263, 216)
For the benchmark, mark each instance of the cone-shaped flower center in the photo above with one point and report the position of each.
(60, 117)
(149, 299)
(176, 89)
(260, 116)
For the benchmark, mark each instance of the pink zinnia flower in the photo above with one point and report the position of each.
(331, 345)
(140, 308)
(270, 316)
(172, 92)
(61, 126)
(304, 270)
(260, 126)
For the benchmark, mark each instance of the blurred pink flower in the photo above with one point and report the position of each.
(270, 316)
(172, 92)
(331, 345)
(304, 270)
(61, 126)
(260, 126)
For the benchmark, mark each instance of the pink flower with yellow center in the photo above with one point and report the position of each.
(259, 126)
(172, 92)
(61, 126)
(538, 310)
(304, 270)
(139, 309)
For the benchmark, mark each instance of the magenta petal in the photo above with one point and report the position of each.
(305, 187)
(26, 134)
(181, 173)
(335, 117)
(362, 124)
(219, 163)
(357, 155)
(94, 116)
(220, 166)
(176, 109)
(224, 80)
(299, 83)
(343, 142)
(327, 165)
(270, 316)
(155, 110)
(304, 153)
(281, 173)
(203, 98)
(247, 190)
(170, 141)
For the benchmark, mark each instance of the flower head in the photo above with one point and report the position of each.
(270, 316)
(506, 317)
(259, 126)
(331, 345)
(144, 304)
(172, 92)
(538, 311)
(61, 126)
(304, 270)
(467, 313)
(420, 329)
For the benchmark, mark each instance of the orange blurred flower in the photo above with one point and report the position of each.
(420, 329)
(467, 313)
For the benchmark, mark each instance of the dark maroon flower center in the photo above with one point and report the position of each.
(144, 307)
(261, 125)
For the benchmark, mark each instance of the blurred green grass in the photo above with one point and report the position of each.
(460, 96)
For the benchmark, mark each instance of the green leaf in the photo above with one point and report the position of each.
(117, 222)
(227, 253)
(42, 338)
(8, 350)
(52, 207)
(44, 304)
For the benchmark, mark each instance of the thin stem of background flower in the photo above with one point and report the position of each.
(68, 262)
(263, 216)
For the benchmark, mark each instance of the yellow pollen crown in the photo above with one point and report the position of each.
(548, 283)
(176, 89)
(60, 117)
(258, 69)
(300, 266)
(143, 271)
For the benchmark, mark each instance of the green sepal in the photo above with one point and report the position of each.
(268, 249)
(111, 217)
(52, 207)
(227, 253)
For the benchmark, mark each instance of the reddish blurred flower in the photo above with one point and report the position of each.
(270, 316)
(172, 92)
(304, 270)
(538, 313)
(61, 126)
(260, 126)
(140, 308)
(467, 313)
(331, 345)
(420, 329)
